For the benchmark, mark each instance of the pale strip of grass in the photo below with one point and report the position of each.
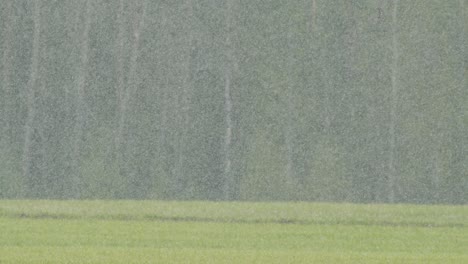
(300, 212)
(139, 241)
(16, 255)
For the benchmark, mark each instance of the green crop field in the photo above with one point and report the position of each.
(230, 232)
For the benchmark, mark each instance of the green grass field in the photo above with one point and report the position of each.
(231, 232)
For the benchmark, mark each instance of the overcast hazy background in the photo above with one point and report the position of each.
(317, 100)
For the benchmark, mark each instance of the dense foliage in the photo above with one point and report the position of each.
(322, 100)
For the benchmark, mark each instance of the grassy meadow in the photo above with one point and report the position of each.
(230, 232)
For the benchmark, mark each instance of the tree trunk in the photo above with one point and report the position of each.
(130, 91)
(313, 14)
(185, 103)
(31, 95)
(463, 127)
(459, 169)
(394, 105)
(120, 51)
(163, 159)
(6, 73)
(80, 101)
(288, 124)
(228, 71)
(228, 134)
(120, 83)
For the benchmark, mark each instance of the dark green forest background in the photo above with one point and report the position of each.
(315, 100)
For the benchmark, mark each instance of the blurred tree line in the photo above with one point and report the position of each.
(316, 100)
